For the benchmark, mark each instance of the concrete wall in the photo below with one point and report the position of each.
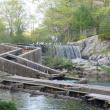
(33, 65)
(27, 64)
(5, 48)
(15, 68)
(33, 55)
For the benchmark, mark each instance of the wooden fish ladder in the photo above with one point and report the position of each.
(97, 100)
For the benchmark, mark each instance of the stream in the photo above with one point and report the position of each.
(24, 101)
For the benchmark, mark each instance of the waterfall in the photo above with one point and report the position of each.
(67, 51)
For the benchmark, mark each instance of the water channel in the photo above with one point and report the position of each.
(25, 101)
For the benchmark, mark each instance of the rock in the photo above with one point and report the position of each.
(105, 60)
(83, 81)
(93, 48)
(89, 46)
(89, 70)
(96, 52)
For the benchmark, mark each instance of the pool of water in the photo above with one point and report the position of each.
(24, 101)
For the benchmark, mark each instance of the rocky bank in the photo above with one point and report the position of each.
(96, 53)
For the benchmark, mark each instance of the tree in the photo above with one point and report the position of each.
(3, 32)
(83, 19)
(13, 13)
(68, 19)
(2, 27)
(104, 28)
(40, 34)
(58, 19)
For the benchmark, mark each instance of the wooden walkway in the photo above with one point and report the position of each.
(90, 88)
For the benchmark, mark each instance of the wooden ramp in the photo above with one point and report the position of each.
(89, 88)
(100, 97)
(98, 100)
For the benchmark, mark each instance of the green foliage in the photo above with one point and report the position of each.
(14, 15)
(7, 106)
(58, 62)
(83, 17)
(82, 37)
(40, 35)
(68, 20)
(104, 29)
(12, 21)
(19, 39)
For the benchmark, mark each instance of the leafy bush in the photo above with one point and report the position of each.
(104, 28)
(58, 63)
(7, 106)
(19, 39)
(82, 37)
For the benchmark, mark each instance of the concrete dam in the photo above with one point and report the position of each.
(24, 62)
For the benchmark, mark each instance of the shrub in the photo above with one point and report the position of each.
(82, 37)
(7, 106)
(104, 28)
(58, 63)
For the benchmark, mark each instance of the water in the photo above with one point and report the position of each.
(66, 81)
(106, 84)
(68, 51)
(25, 102)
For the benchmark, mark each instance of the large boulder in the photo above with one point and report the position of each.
(90, 44)
(93, 48)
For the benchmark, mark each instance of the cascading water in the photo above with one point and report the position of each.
(67, 51)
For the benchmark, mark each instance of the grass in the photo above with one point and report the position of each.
(7, 106)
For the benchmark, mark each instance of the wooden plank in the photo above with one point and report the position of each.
(60, 83)
(100, 97)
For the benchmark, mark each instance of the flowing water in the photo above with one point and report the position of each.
(68, 51)
(24, 101)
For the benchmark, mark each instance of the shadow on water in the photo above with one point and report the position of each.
(25, 102)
